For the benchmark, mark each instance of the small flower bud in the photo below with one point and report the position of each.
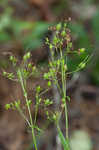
(63, 100)
(38, 89)
(49, 83)
(26, 56)
(7, 106)
(63, 33)
(29, 65)
(81, 50)
(54, 117)
(4, 73)
(46, 76)
(58, 26)
(50, 46)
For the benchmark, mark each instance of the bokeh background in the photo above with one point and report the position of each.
(23, 27)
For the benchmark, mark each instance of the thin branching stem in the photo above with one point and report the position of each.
(64, 91)
(29, 111)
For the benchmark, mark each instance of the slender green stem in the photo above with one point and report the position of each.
(66, 118)
(64, 92)
(55, 75)
(44, 92)
(26, 98)
(57, 84)
(36, 112)
(22, 114)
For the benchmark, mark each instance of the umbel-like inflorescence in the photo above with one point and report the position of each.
(60, 47)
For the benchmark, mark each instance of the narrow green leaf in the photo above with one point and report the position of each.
(64, 142)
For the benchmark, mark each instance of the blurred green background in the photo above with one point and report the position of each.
(27, 21)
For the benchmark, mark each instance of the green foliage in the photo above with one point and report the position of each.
(49, 83)
(29, 33)
(34, 33)
(5, 22)
(38, 89)
(8, 75)
(64, 142)
(21, 74)
(95, 25)
(13, 105)
(60, 48)
(48, 102)
(95, 65)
